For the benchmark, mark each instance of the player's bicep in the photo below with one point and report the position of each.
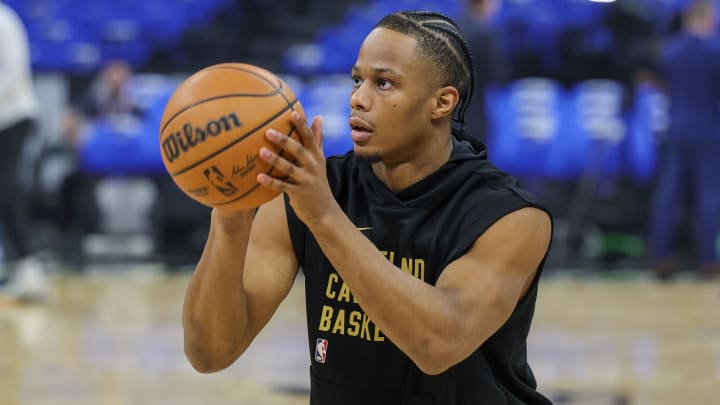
(270, 264)
(486, 283)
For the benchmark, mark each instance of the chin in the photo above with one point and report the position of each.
(366, 155)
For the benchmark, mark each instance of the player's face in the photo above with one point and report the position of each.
(392, 97)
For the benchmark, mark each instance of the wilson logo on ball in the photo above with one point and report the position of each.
(190, 136)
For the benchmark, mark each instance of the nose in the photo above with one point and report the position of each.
(359, 99)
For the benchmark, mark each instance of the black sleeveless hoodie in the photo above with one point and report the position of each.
(420, 230)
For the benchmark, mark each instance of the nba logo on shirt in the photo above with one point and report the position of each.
(321, 350)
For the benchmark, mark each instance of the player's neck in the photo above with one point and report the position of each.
(401, 174)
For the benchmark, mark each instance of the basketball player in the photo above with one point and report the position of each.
(421, 260)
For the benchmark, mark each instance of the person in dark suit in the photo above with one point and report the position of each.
(689, 66)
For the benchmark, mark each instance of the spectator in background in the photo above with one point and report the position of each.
(18, 109)
(108, 96)
(109, 92)
(491, 66)
(690, 156)
(67, 200)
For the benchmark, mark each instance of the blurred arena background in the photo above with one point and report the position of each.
(574, 112)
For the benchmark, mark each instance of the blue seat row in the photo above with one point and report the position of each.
(78, 36)
(335, 47)
(540, 129)
(523, 24)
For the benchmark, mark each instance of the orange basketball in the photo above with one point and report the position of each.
(213, 127)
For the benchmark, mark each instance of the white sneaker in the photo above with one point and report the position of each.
(28, 282)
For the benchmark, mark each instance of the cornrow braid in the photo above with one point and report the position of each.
(449, 27)
(441, 41)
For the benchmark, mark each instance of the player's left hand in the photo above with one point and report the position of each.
(306, 182)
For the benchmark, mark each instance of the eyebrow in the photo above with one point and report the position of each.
(380, 70)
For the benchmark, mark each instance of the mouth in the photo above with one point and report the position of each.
(360, 130)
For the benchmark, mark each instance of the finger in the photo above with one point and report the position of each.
(285, 142)
(317, 129)
(278, 161)
(275, 183)
(307, 137)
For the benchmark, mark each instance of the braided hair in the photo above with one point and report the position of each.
(442, 44)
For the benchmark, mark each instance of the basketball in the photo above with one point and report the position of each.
(212, 129)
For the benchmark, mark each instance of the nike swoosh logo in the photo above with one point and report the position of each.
(364, 229)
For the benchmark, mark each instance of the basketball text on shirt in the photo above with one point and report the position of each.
(342, 321)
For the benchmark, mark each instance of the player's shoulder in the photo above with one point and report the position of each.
(496, 180)
(490, 187)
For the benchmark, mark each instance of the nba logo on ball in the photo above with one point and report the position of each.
(321, 350)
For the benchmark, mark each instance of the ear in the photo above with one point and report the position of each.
(446, 98)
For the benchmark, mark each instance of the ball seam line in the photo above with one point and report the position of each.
(236, 141)
(205, 100)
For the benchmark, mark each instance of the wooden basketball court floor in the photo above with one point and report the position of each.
(112, 336)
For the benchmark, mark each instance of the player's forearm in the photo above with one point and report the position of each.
(416, 316)
(215, 310)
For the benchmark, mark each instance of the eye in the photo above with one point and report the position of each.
(384, 84)
(356, 81)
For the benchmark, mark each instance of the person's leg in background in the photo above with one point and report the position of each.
(706, 212)
(28, 279)
(666, 207)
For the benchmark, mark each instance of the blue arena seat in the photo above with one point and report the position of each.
(597, 117)
(68, 56)
(126, 29)
(121, 145)
(526, 123)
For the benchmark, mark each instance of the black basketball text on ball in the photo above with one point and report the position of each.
(240, 170)
(183, 140)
